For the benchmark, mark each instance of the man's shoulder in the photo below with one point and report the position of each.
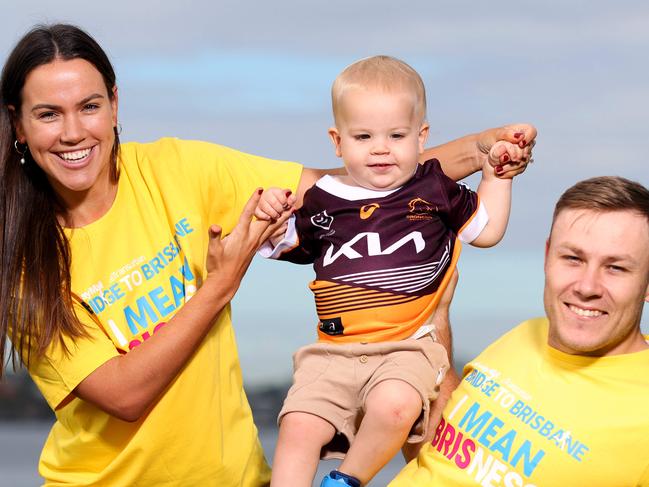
(529, 335)
(523, 344)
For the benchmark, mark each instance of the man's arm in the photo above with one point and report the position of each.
(444, 336)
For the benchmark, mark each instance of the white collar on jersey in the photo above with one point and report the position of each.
(334, 186)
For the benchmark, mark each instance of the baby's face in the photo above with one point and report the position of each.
(380, 136)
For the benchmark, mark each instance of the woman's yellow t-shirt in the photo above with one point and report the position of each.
(132, 270)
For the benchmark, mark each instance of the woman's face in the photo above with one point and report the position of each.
(67, 119)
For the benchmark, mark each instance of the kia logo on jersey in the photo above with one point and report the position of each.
(322, 220)
(374, 247)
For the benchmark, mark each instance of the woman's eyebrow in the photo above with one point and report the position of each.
(48, 106)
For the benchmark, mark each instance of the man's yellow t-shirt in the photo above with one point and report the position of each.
(132, 270)
(528, 415)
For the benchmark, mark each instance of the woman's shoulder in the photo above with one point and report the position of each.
(204, 159)
(169, 156)
(166, 147)
(168, 150)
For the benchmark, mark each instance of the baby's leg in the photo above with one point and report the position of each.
(391, 408)
(301, 437)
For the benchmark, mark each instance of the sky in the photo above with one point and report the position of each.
(256, 76)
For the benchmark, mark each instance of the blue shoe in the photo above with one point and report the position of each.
(339, 479)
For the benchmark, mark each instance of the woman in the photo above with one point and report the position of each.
(103, 246)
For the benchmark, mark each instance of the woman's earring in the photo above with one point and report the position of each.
(22, 153)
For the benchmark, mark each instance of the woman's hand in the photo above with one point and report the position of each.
(119, 386)
(469, 154)
(228, 257)
(511, 156)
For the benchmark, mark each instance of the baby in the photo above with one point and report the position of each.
(384, 240)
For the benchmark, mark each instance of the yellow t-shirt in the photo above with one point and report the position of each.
(526, 415)
(134, 268)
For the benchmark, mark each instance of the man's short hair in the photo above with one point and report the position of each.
(383, 72)
(605, 193)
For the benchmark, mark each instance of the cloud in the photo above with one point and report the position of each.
(256, 76)
(257, 81)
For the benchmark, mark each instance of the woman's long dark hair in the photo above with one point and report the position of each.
(36, 306)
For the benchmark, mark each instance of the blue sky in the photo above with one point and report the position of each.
(256, 76)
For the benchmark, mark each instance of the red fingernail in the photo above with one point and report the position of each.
(518, 135)
(499, 169)
(522, 143)
(505, 157)
(259, 191)
(289, 193)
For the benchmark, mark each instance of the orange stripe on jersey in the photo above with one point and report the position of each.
(338, 308)
(343, 291)
(359, 308)
(337, 297)
(361, 299)
(374, 316)
(346, 291)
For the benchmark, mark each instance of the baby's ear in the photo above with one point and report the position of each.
(423, 136)
(334, 135)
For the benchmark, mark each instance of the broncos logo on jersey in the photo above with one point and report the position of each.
(322, 220)
(421, 206)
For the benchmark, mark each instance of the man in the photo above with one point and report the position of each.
(562, 400)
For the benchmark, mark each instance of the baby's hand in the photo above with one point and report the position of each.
(273, 203)
(508, 159)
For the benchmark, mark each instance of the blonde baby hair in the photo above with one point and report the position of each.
(383, 72)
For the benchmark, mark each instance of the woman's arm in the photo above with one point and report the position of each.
(127, 385)
(309, 177)
(461, 157)
(467, 155)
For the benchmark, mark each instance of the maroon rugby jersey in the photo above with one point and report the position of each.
(382, 258)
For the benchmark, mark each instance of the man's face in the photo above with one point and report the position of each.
(596, 279)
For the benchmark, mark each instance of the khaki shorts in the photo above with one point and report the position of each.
(332, 381)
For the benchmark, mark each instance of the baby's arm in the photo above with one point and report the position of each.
(274, 202)
(496, 194)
